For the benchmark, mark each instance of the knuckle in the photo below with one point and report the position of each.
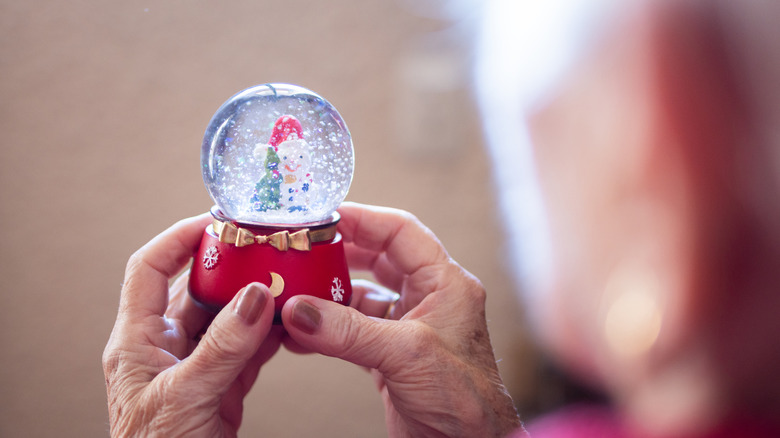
(412, 222)
(221, 342)
(110, 360)
(472, 288)
(374, 344)
(421, 345)
(134, 265)
(135, 260)
(406, 216)
(425, 337)
(350, 337)
(476, 292)
(347, 332)
(113, 359)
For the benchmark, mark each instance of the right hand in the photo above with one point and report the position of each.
(162, 377)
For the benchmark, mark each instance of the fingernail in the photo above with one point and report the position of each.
(306, 317)
(251, 303)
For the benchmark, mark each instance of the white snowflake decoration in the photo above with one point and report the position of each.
(211, 257)
(336, 290)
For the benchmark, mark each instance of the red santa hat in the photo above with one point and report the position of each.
(286, 128)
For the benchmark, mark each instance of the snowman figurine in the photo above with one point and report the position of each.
(296, 174)
(288, 179)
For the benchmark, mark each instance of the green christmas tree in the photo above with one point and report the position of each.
(268, 189)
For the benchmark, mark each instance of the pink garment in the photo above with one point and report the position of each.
(591, 421)
(579, 421)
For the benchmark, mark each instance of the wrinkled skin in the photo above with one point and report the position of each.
(162, 380)
(433, 362)
(432, 358)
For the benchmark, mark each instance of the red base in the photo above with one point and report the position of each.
(220, 270)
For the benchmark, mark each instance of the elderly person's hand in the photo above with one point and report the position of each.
(432, 359)
(163, 378)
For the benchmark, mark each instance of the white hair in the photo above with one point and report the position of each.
(524, 49)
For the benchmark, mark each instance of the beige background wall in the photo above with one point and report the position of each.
(102, 111)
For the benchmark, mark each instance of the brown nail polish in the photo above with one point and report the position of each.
(251, 304)
(306, 317)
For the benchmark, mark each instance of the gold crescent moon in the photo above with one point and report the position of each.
(277, 284)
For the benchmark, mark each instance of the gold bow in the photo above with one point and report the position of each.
(283, 240)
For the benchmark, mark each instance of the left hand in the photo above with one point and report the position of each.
(433, 363)
(162, 380)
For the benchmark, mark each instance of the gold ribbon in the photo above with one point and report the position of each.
(283, 240)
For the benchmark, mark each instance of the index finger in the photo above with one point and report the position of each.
(392, 243)
(145, 290)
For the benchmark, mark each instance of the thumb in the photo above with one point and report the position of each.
(340, 331)
(231, 340)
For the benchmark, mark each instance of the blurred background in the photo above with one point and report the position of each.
(104, 105)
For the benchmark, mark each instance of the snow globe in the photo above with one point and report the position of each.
(277, 160)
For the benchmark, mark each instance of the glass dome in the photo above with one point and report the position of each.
(277, 154)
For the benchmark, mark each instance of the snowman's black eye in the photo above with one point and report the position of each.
(301, 157)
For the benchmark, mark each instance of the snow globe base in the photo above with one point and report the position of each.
(303, 259)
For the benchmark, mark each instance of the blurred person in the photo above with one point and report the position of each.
(640, 199)
(649, 226)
